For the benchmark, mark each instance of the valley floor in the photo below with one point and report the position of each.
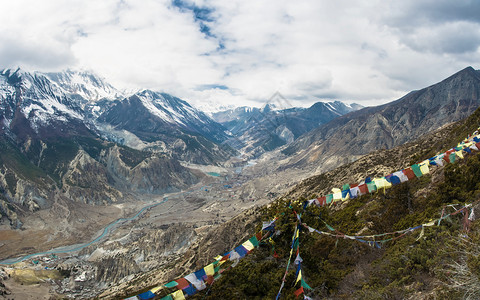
(220, 196)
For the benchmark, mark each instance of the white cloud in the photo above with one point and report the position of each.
(364, 51)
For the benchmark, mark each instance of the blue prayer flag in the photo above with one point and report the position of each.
(146, 295)
(345, 192)
(200, 274)
(395, 180)
(190, 290)
(241, 251)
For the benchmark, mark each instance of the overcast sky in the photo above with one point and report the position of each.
(242, 52)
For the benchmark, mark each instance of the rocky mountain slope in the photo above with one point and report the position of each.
(83, 170)
(56, 142)
(346, 138)
(257, 130)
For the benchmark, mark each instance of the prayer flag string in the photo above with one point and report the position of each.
(400, 233)
(197, 281)
(415, 171)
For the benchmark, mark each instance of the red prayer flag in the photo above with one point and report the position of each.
(225, 257)
(182, 283)
(299, 291)
(363, 189)
(259, 236)
(322, 201)
(446, 158)
(409, 173)
(210, 279)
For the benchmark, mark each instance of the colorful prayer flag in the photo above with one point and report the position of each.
(178, 295)
(299, 291)
(416, 170)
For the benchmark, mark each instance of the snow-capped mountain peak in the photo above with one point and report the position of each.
(41, 99)
(168, 108)
(85, 84)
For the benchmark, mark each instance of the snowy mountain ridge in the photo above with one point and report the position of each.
(85, 84)
(38, 99)
(170, 109)
(83, 95)
(71, 102)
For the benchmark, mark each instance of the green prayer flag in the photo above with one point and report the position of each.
(167, 297)
(371, 187)
(217, 269)
(254, 241)
(329, 198)
(304, 284)
(452, 157)
(345, 187)
(171, 284)
(416, 170)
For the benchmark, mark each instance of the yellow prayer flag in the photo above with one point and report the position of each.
(156, 289)
(299, 277)
(382, 183)
(218, 257)
(386, 183)
(338, 195)
(209, 270)
(459, 154)
(178, 295)
(431, 223)
(248, 245)
(336, 190)
(424, 169)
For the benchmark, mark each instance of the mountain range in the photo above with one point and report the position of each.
(258, 130)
